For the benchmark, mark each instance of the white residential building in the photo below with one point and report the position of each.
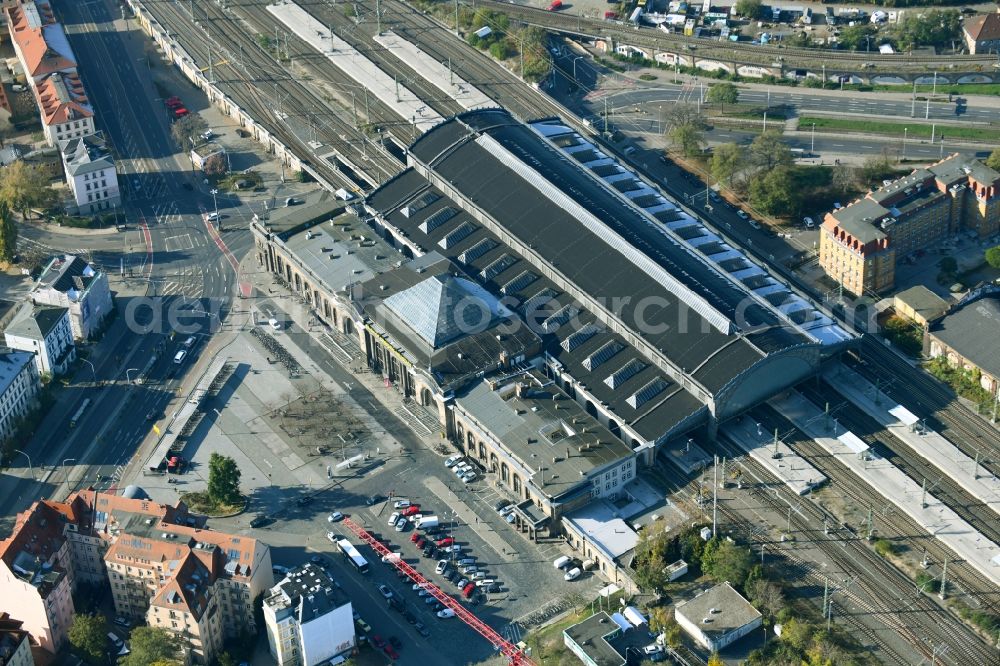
(19, 385)
(90, 173)
(72, 283)
(65, 108)
(44, 331)
(308, 619)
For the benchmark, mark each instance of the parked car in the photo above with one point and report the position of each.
(462, 583)
(469, 478)
(501, 505)
(401, 504)
(445, 613)
(385, 591)
(334, 517)
(442, 566)
(446, 541)
(411, 510)
(742, 214)
(393, 518)
(415, 537)
(572, 574)
(450, 462)
(468, 590)
(421, 629)
(390, 652)
(454, 548)
(123, 622)
(363, 626)
(401, 524)
(808, 221)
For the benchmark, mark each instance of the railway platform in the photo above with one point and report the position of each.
(776, 456)
(905, 494)
(910, 429)
(439, 75)
(363, 71)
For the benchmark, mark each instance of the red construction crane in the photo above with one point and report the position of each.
(508, 649)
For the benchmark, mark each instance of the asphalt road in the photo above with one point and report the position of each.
(166, 253)
(848, 103)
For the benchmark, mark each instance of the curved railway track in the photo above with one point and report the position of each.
(891, 523)
(891, 596)
(886, 445)
(956, 422)
(878, 589)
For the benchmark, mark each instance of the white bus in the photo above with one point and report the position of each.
(352, 554)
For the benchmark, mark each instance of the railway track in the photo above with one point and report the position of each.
(750, 54)
(976, 589)
(886, 445)
(251, 77)
(956, 422)
(878, 589)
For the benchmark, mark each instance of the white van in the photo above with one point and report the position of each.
(274, 324)
(561, 562)
(179, 357)
(572, 574)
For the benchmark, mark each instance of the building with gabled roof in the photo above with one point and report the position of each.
(50, 66)
(91, 174)
(45, 331)
(69, 281)
(163, 565)
(39, 40)
(66, 110)
(982, 33)
(966, 336)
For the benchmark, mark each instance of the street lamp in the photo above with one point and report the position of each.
(215, 202)
(31, 469)
(574, 67)
(66, 471)
(128, 378)
(92, 370)
(905, 130)
(812, 140)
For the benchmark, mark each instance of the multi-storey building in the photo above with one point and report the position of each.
(44, 331)
(36, 576)
(91, 174)
(861, 243)
(309, 620)
(15, 645)
(163, 568)
(19, 384)
(70, 282)
(51, 69)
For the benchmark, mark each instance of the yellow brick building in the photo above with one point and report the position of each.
(860, 244)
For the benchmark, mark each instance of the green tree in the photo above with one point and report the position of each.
(992, 256)
(768, 152)
(24, 187)
(751, 9)
(501, 50)
(728, 159)
(935, 27)
(8, 233)
(854, 37)
(688, 138)
(993, 161)
(774, 192)
(722, 94)
(724, 560)
(223, 479)
(89, 636)
(674, 635)
(151, 645)
(796, 633)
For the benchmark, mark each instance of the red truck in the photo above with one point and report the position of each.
(610, 16)
(556, 5)
(179, 112)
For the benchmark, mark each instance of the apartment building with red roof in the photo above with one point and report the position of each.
(163, 565)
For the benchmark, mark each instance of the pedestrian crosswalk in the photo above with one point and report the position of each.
(187, 281)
